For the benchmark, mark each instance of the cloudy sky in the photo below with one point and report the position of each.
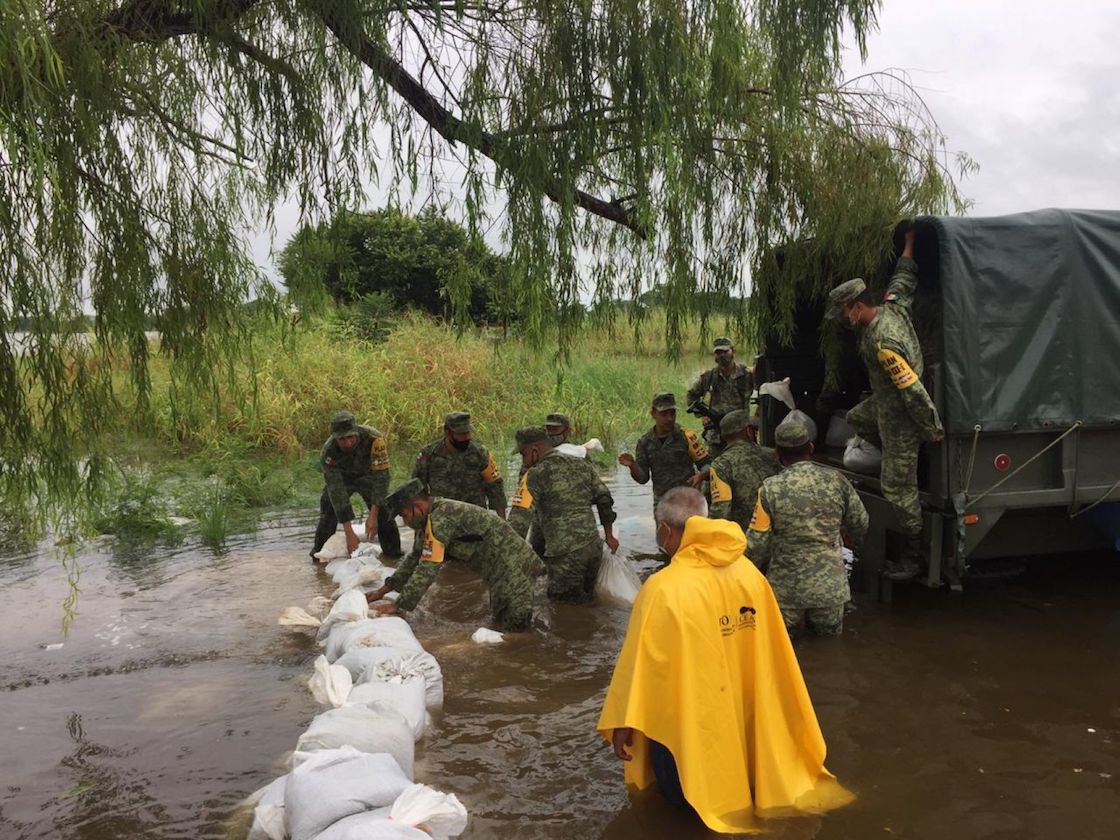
(1028, 89)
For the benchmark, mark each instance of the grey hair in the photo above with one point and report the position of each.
(678, 505)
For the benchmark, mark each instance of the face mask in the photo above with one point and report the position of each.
(461, 445)
(556, 439)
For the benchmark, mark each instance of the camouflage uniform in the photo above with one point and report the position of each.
(561, 491)
(735, 478)
(729, 391)
(522, 517)
(796, 531)
(671, 461)
(363, 470)
(466, 532)
(899, 415)
(469, 476)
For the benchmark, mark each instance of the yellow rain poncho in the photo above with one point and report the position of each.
(708, 670)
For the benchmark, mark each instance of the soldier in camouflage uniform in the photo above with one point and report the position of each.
(561, 490)
(800, 521)
(671, 454)
(899, 415)
(355, 460)
(455, 467)
(736, 475)
(727, 386)
(445, 529)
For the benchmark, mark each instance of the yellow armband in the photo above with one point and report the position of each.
(523, 498)
(433, 549)
(761, 520)
(721, 490)
(901, 374)
(490, 472)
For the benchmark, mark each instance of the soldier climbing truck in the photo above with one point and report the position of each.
(1019, 321)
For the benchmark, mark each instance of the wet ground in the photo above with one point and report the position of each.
(989, 714)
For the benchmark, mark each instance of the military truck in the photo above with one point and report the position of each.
(1019, 319)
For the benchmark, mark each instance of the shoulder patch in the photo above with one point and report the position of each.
(896, 368)
(378, 455)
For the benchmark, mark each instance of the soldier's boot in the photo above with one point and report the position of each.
(909, 562)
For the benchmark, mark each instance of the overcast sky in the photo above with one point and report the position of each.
(1028, 89)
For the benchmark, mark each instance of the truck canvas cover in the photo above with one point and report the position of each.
(1031, 319)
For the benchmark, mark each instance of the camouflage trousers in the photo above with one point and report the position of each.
(571, 576)
(900, 442)
(819, 621)
(510, 608)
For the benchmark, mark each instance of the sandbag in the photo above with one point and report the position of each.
(334, 547)
(862, 456)
(297, 617)
(330, 684)
(366, 579)
(404, 694)
(441, 815)
(780, 391)
(268, 812)
(360, 660)
(369, 728)
(810, 423)
(334, 784)
(485, 636)
(350, 607)
(372, 825)
(388, 631)
(839, 432)
(617, 583)
(415, 664)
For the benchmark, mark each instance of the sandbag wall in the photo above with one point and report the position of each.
(351, 775)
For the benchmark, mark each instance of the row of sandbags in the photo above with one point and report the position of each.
(351, 773)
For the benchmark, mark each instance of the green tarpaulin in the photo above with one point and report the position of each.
(1031, 318)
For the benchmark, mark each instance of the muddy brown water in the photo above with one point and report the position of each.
(990, 714)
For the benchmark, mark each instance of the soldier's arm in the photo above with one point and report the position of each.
(904, 283)
(492, 483)
(915, 398)
(420, 468)
(855, 515)
(697, 451)
(698, 389)
(758, 533)
(640, 470)
(336, 487)
(398, 580)
(429, 561)
(721, 494)
(601, 498)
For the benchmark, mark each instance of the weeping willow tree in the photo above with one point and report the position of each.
(616, 144)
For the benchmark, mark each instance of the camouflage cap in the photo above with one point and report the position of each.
(734, 422)
(404, 494)
(790, 434)
(529, 435)
(723, 344)
(664, 402)
(557, 419)
(343, 424)
(458, 422)
(842, 295)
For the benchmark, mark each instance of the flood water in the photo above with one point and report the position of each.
(989, 714)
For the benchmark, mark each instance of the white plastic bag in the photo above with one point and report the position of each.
(333, 548)
(360, 661)
(268, 813)
(367, 578)
(810, 424)
(335, 784)
(369, 728)
(862, 456)
(484, 636)
(297, 617)
(779, 391)
(404, 694)
(617, 583)
(348, 608)
(388, 631)
(372, 825)
(839, 432)
(442, 815)
(330, 684)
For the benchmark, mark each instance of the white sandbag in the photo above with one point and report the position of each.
(372, 825)
(367, 579)
(810, 423)
(297, 617)
(320, 606)
(593, 445)
(780, 391)
(404, 694)
(333, 548)
(360, 661)
(485, 636)
(441, 815)
(617, 583)
(268, 812)
(335, 784)
(839, 432)
(330, 684)
(862, 456)
(388, 631)
(368, 728)
(350, 607)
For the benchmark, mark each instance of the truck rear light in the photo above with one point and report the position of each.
(1002, 462)
(971, 518)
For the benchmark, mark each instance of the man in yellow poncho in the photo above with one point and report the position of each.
(707, 698)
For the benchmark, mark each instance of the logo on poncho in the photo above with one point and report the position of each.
(730, 625)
